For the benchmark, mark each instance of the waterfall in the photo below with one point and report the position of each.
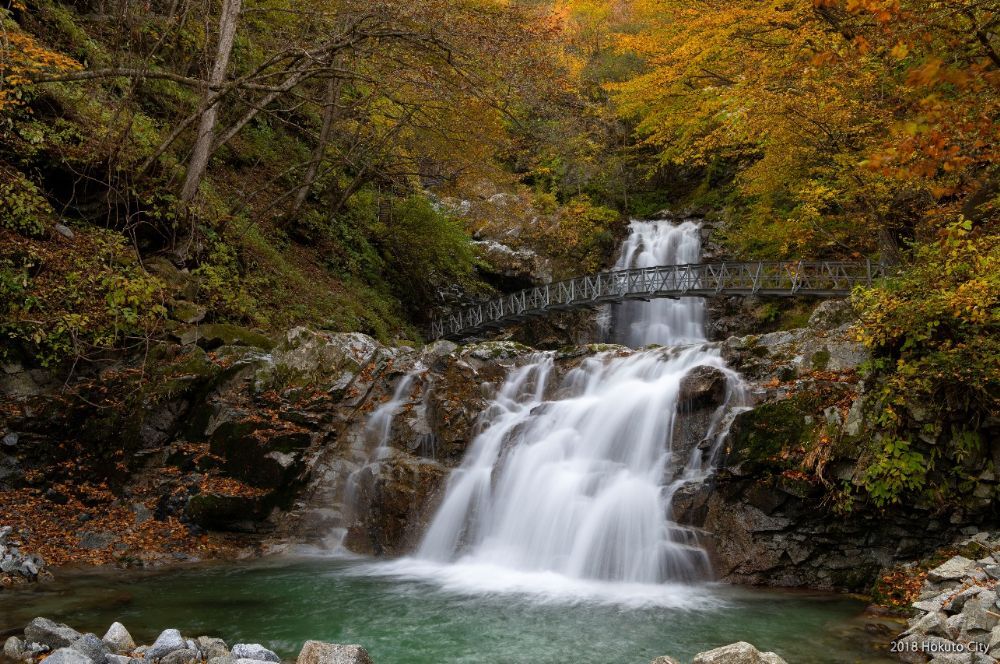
(573, 476)
(664, 322)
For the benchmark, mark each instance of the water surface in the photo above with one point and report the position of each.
(406, 617)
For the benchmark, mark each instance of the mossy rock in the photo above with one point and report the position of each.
(760, 435)
(821, 360)
(187, 312)
(215, 335)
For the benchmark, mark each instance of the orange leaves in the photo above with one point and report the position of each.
(21, 57)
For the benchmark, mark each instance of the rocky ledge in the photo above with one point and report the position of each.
(57, 643)
(958, 612)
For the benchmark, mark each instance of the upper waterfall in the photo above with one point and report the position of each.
(664, 322)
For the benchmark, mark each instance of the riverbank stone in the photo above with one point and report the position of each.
(182, 656)
(253, 651)
(211, 647)
(318, 652)
(737, 653)
(119, 641)
(122, 659)
(954, 568)
(13, 649)
(93, 647)
(52, 634)
(167, 642)
(68, 656)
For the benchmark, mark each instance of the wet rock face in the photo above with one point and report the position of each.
(702, 387)
(397, 499)
(775, 531)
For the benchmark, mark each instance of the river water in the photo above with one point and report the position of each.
(282, 603)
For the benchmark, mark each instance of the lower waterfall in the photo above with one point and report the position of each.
(580, 483)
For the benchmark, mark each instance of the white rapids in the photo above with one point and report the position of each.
(566, 491)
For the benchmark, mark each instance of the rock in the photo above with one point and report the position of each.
(68, 656)
(317, 652)
(93, 647)
(182, 656)
(118, 639)
(953, 569)
(167, 642)
(122, 659)
(96, 539)
(703, 387)
(958, 601)
(211, 647)
(932, 623)
(665, 660)
(511, 269)
(253, 651)
(306, 357)
(246, 661)
(223, 659)
(142, 513)
(831, 314)
(187, 312)
(980, 612)
(737, 653)
(48, 633)
(65, 231)
(214, 335)
(13, 648)
(933, 603)
(10, 440)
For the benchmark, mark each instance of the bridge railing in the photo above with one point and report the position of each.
(818, 278)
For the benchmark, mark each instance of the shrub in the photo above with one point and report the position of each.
(934, 332)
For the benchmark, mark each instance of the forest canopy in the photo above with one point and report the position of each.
(267, 162)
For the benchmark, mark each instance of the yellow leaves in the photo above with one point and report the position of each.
(900, 50)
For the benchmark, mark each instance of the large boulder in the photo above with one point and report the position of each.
(317, 652)
(212, 647)
(306, 357)
(93, 647)
(168, 641)
(831, 314)
(119, 641)
(395, 498)
(703, 387)
(52, 634)
(737, 653)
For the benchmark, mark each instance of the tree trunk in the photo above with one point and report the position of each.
(228, 20)
(329, 111)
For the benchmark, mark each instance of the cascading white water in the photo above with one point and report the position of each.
(576, 485)
(664, 322)
(574, 476)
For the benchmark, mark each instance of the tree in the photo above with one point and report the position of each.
(200, 154)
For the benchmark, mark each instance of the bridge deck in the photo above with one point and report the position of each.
(782, 278)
